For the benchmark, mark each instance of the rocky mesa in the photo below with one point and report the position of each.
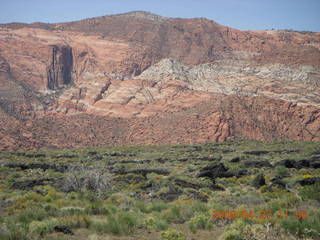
(139, 78)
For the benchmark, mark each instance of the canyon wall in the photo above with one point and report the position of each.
(139, 78)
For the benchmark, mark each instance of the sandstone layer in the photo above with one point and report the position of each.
(139, 78)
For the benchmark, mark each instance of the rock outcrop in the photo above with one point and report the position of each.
(139, 78)
(59, 71)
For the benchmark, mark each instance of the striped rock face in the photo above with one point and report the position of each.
(139, 78)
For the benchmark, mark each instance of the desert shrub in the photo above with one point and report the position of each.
(161, 224)
(231, 234)
(177, 214)
(83, 178)
(73, 211)
(282, 171)
(119, 199)
(241, 230)
(287, 201)
(30, 199)
(96, 208)
(172, 234)
(32, 214)
(308, 192)
(199, 207)
(13, 177)
(200, 222)
(158, 206)
(39, 228)
(90, 195)
(308, 227)
(76, 221)
(52, 194)
(142, 206)
(156, 223)
(72, 195)
(11, 230)
(154, 206)
(264, 189)
(122, 223)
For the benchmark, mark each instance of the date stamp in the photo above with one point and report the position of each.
(262, 214)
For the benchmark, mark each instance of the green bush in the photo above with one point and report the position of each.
(67, 211)
(177, 214)
(231, 234)
(172, 234)
(158, 206)
(308, 227)
(154, 206)
(39, 228)
(13, 231)
(199, 222)
(96, 208)
(200, 207)
(156, 223)
(308, 192)
(32, 214)
(282, 171)
(123, 223)
(76, 221)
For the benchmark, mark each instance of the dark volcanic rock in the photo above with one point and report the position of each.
(115, 154)
(208, 158)
(309, 181)
(44, 166)
(220, 167)
(257, 164)
(63, 229)
(259, 181)
(183, 159)
(277, 181)
(235, 159)
(215, 171)
(315, 164)
(288, 163)
(242, 172)
(198, 196)
(28, 184)
(184, 183)
(66, 156)
(35, 155)
(161, 160)
(92, 153)
(172, 194)
(143, 172)
(257, 153)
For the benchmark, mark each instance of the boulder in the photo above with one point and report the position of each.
(259, 181)
(214, 171)
(309, 181)
(63, 229)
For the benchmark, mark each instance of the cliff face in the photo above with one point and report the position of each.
(139, 78)
(60, 69)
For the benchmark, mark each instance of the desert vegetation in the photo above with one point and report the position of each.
(238, 189)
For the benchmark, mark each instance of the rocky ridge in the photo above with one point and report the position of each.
(140, 78)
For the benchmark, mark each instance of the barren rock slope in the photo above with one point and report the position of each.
(139, 78)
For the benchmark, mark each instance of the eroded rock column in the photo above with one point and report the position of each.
(59, 71)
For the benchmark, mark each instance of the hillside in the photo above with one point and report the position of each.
(139, 78)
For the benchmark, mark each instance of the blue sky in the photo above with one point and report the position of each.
(241, 14)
